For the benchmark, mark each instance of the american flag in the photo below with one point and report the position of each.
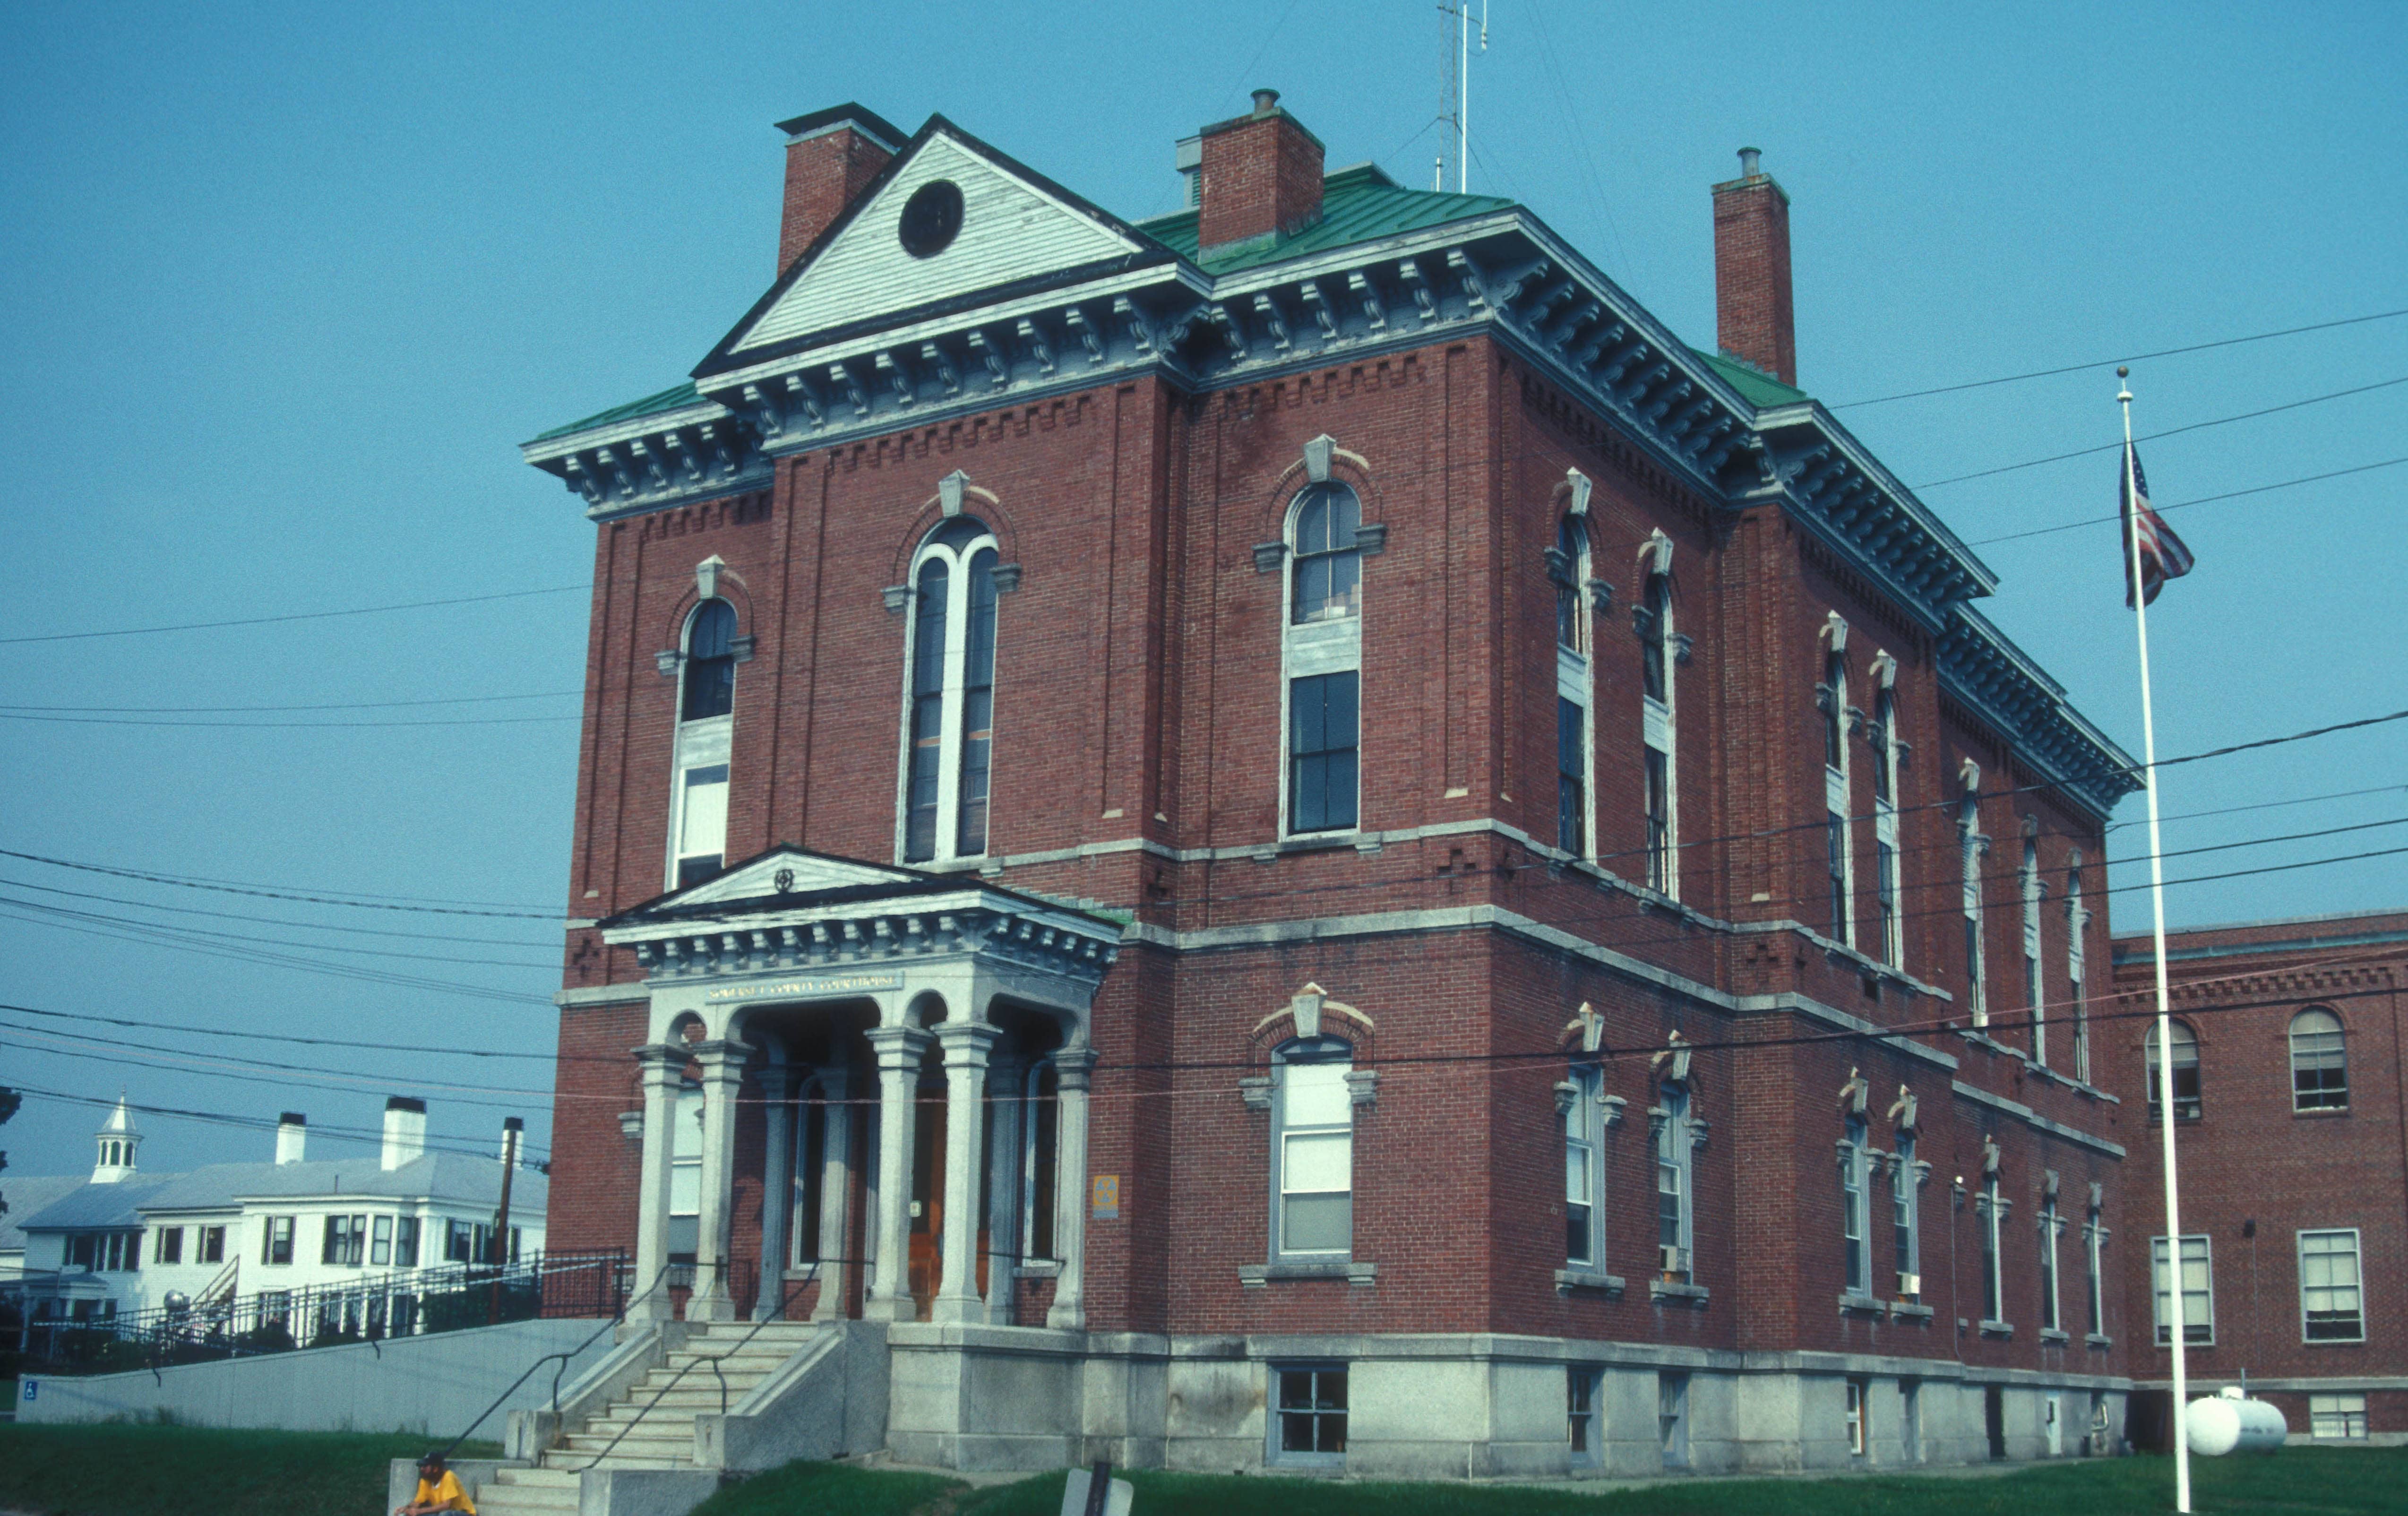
(2163, 556)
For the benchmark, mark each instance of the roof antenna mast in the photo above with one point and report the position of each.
(1461, 11)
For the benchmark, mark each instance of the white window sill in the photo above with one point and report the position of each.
(1908, 1310)
(1861, 1304)
(1677, 1292)
(1997, 1329)
(1039, 1269)
(2050, 1336)
(2100, 1340)
(1569, 1279)
(1256, 1276)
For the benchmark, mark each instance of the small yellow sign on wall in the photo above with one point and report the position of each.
(1107, 1207)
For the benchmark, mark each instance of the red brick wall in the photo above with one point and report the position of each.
(1752, 317)
(1262, 175)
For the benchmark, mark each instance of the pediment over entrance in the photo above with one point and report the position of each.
(786, 871)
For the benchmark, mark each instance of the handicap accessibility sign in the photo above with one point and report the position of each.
(32, 1388)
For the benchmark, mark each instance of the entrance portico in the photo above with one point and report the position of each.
(900, 1031)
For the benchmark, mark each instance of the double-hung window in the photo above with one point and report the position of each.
(345, 1241)
(276, 1245)
(1582, 1169)
(1313, 1151)
(1322, 657)
(1992, 1208)
(171, 1248)
(2076, 919)
(404, 1242)
(2198, 1291)
(1839, 847)
(1568, 567)
(2319, 1063)
(1658, 656)
(1580, 1384)
(705, 700)
(2185, 1074)
(2341, 1415)
(380, 1244)
(2033, 997)
(212, 1245)
(1857, 1392)
(2331, 1304)
(1893, 937)
(2094, 1247)
(1856, 1208)
(1675, 1156)
(1903, 1199)
(949, 697)
(2049, 1229)
(1969, 838)
(685, 1177)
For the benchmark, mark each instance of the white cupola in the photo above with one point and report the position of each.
(116, 1141)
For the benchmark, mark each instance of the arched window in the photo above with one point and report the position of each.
(2076, 919)
(949, 698)
(1974, 844)
(1658, 650)
(1675, 1163)
(2320, 1063)
(1567, 568)
(1903, 1203)
(1855, 1205)
(1583, 1171)
(1322, 654)
(1838, 845)
(2034, 999)
(1313, 1149)
(2186, 1072)
(706, 696)
(1884, 736)
(1328, 562)
(1041, 1148)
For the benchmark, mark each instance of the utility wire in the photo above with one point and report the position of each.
(369, 1135)
(2205, 499)
(2271, 805)
(2173, 431)
(275, 921)
(226, 887)
(296, 616)
(214, 936)
(284, 726)
(306, 1041)
(343, 705)
(2128, 358)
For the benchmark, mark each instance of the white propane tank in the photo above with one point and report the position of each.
(2229, 1422)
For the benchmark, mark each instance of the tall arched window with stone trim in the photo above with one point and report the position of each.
(1885, 826)
(2078, 999)
(1322, 651)
(1972, 845)
(1831, 696)
(1568, 569)
(949, 695)
(1584, 1111)
(2035, 995)
(1313, 1149)
(2319, 1062)
(706, 701)
(1659, 645)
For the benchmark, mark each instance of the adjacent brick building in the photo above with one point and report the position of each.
(2292, 1141)
(1457, 885)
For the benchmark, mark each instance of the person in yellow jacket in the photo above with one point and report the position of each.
(438, 1490)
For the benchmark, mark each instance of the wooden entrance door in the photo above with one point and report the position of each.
(927, 1263)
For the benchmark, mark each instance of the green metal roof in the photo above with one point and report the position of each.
(677, 398)
(1359, 204)
(1759, 388)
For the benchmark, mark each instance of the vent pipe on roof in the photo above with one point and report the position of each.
(292, 1132)
(404, 1130)
(514, 1130)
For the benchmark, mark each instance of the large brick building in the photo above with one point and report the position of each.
(2292, 1138)
(1289, 836)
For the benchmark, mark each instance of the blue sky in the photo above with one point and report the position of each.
(282, 286)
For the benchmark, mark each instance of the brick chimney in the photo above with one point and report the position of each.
(831, 155)
(1260, 177)
(1753, 321)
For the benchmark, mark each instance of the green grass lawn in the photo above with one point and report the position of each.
(132, 1470)
(135, 1471)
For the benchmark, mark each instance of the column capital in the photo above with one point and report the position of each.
(897, 1047)
(723, 1061)
(781, 1080)
(969, 1042)
(1074, 1069)
(662, 1063)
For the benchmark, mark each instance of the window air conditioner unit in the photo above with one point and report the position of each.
(1908, 1283)
(1675, 1260)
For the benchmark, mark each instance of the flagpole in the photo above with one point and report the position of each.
(2165, 1013)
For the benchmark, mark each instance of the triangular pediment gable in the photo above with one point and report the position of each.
(781, 871)
(1017, 227)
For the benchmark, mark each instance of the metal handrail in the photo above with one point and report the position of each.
(785, 1298)
(618, 1315)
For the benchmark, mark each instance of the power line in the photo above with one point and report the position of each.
(171, 931)
(168, 1060)
(274, 921)
(284, 726)
(2272, 805)
(326, 898)
(255, 1124)
(343, 705)
(2175, 430)
(296, 616)
(2205, 499)
(307, 1041)
(2128, 358)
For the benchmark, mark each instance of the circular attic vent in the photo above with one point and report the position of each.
(931, 217)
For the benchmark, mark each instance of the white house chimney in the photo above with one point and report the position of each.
(404, 1130)
(292, 1130)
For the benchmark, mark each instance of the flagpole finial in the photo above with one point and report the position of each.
(2123, 390)
(2122, 372)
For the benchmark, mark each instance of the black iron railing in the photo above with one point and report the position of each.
(373, 1309)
